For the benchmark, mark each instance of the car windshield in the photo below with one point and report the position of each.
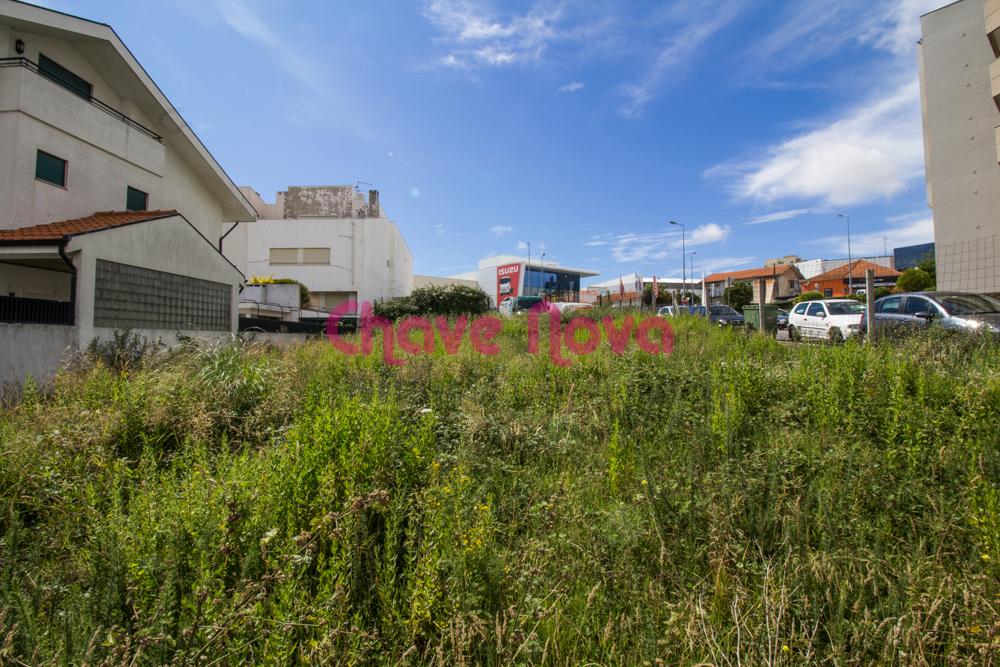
(723, 310)
(845, 308)
(969, 304)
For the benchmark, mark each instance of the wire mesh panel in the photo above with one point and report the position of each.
(971, 265)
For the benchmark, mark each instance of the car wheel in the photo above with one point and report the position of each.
(836, 336)
(794, 334)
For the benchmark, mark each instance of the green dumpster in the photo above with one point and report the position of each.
(751, 312)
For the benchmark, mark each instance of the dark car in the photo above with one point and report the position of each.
(782, 319)
(723, 316)
(899, 313)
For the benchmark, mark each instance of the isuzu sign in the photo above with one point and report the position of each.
(508, 278)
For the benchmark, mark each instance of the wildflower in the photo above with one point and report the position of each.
(645, 483)
(985, 557)
(785, 649)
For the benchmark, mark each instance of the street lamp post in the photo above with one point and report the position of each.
(683, 259)
(850, 269)
(541, 272)
(691, 255)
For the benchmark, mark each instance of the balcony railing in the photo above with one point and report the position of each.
(111, 111)
(35, 311)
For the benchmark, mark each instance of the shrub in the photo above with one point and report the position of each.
(437, 300)
(914, 280)
(808, 296)
(738, 295)
(124, 352)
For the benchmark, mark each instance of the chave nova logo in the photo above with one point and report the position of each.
(416, 335)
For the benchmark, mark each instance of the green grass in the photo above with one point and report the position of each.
(740, 502)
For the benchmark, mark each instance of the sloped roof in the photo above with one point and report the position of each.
(56, 231)
(750, 274)
(858, 269)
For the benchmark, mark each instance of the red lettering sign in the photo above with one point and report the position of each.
(508, 279)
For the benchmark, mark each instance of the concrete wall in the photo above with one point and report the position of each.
(169, 245)
(37, 350)
(104, 154)
(963, 173)
(367, 256)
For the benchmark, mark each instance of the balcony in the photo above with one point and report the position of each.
(53, 103)
(19, 310)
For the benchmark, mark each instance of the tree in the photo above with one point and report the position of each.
(738, 295)
(928, 266)
(808, 296)
(914, 280)
(664, 298)
(437, 300)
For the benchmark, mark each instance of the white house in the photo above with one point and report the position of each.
(340, 245)
(111, 209)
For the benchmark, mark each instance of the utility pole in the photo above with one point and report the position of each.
(683, 259)
(850, 269)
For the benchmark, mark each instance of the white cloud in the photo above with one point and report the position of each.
(571, 87)
(635, 247)
(778, 215)
(675, 55)
(899, 231)
(867, 152)
(711, 265)
(522, 245)
(480, 38)
(871, 154)
(500, 230)
(439, 230)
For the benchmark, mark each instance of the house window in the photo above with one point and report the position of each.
(828, 292)
(284, 256)
(50, 169)
(135, 200)
(316, 256)
(52, 70)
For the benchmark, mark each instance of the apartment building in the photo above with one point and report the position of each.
(334, 239)
(112, 209)
(960, 98)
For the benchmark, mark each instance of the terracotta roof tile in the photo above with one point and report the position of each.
(858, 268)
(55, 231)
(748, 274)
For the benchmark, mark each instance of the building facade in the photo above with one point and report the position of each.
(960, 100)
(781, 282)
(111, 209)
(333, 239)
(907, 257)
(506, 276)
(837, 282)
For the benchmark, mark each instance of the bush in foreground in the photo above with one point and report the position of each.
(739, 502)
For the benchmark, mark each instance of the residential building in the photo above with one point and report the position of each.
(960, 99)
(787, 259)
(112, 209)
(781, 282)
(838, 283)
(810, 268)
(910, 256)
(505, 276)
(333, 239)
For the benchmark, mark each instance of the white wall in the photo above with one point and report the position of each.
(37, 350)
(169, 245)
(367, 256)
(104, 154)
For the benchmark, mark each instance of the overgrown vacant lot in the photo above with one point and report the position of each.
(739, 502)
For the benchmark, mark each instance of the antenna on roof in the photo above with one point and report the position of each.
(358, 184)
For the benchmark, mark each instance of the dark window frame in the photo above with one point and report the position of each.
(145, 198)
(64, 77)
(65, 169)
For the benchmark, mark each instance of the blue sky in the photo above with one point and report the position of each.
(578, 126)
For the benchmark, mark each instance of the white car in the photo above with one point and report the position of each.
(830, 319)
(566, 307)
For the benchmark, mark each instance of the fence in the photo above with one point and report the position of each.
(16, 309)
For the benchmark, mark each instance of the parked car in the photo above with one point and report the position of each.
(827, 319)
(782, 319)
(665, 311)
(518, 304)
(566, 307)
(723, 316)
(899, 313)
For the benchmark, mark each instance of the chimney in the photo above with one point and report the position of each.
(373, 211)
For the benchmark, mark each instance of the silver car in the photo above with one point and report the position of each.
(952, 310)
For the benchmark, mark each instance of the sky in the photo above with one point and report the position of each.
(580, 126)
